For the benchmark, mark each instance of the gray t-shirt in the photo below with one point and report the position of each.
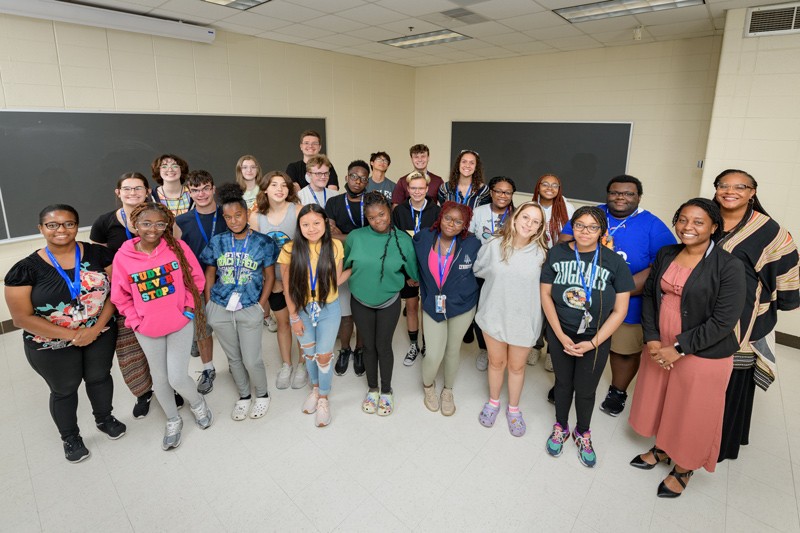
(386, 187)
(282, 232)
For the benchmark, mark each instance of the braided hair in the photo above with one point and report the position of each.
(596, 213)
(558, 211)
(186, 268)
(755, 203)
(466, 214)
(504, 179)
(377, 199)
(710, 207)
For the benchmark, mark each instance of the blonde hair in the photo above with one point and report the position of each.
(417, 175)
(240, 176)
(508, 232)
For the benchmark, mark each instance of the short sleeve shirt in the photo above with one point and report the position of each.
(285, 258)
(107, 230)
(190, 231)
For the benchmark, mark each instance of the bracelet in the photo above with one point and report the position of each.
(189, 315)
(593, 344)
(294, 320)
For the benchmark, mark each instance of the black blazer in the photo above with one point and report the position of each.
(711, 302)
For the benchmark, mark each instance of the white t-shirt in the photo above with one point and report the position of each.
(307, 196)
(548, 212)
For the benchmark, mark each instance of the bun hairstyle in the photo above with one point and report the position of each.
(231, 193)
(298, 267)
(186, 269)
(710, 207)
(377, 199)
(466, 214)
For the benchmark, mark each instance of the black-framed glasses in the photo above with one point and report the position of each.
(207, 188)
(591, 228)
(320, 174)
(626, 194)
(52, 226)
(356, 177)
(138, 188)
(502, 193)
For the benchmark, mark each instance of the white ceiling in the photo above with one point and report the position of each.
(513, 27)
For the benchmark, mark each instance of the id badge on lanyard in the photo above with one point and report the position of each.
(587, 288)
(79, 312)
(234, 301)
(313, 308)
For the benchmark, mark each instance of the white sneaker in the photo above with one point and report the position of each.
(323, 417)
(482, 362)
(202, 414)
(310, 405)
(284, 376)
(172, 433)
(271, 323)
(548, 363)
(259, 408)
(533, 356)
(300, 377)
(240, 409)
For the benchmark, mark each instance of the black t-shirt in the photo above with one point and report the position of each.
(561, 271)
(191, 234)
(107, 230)
(297, 171)
(402, 218)
(336, 210)
(50, 295)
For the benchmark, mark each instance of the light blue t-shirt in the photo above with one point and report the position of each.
(232, 259)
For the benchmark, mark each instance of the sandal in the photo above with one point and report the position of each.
(658, 455)
(488, 415)
(666, 492)
(516, 424)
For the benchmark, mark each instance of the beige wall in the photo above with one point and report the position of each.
(755, 124)
(368, 105)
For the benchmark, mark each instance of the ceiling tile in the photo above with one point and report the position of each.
(286, 11)
(197, 8)
(500, 9)
(328, 6)
(532, 47)
(302, 30)
(377, 33)
(342, 40)
(484, 28)
(621, 36)
(681, 28)
(555, 32)
(335, 24)
(574, 43)
(415, 8)
(545, 19)
(402, 26)
(372, 14)
(254, 20)
(607, 25)
(192, 19)
(282, 37)
(508, 38)
(668, 16)
(236, 28)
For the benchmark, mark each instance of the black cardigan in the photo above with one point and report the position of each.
(711, 302)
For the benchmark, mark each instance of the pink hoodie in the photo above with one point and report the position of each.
(148, 290)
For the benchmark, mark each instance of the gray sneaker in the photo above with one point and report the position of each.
(205, 383)
(172, 433)
(533, 357)
(284, 376)
(482, 362)
(271, 323)
(548, 363)
(203, 415)
(300, 377)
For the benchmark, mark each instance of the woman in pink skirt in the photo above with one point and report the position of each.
(691, 303)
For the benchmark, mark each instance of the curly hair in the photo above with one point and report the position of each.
(558, 212)
(231, 193)
(186, 268)
(155, 167)
(711, 209)
(377, 199)
(466, 214)
(477, 176)
(262, 200)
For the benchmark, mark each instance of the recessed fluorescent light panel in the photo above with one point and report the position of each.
(425, 39)
(238, 4)
(619, 8)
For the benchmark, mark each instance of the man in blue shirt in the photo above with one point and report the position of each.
(637, 235)
(195, 228)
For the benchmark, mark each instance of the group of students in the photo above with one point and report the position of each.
(595, 283)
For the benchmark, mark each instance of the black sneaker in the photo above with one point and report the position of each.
(551, 395)
(112, 427)
(342, 361)
(178, 400)
(614, 403)
(358, 361)
(142, 406)
(74, 450)
(469, 336)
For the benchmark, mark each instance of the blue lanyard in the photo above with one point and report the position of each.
(74, 285)
(237, 264)
(200, 224)
(442, 267)
(417, 218)
(312, 275)
(608, 217)
(587, 288)
(125, 223)
(459, 196)
(350, 213)
(324, 196)
(502, 220)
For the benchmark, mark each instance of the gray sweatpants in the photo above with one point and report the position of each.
(168, 358)
(239, 334)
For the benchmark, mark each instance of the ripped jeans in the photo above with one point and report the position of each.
(320, 339)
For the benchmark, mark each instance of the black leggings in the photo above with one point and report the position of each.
(64, 369)
(578, 377)
(377, 329)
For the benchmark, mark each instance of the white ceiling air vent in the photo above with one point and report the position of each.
(773, 20)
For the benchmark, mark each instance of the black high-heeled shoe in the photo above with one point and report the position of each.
(659, 455)
(666, 492)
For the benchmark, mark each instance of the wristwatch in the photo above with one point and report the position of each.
(679, 349)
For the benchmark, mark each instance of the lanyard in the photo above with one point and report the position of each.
(502, 220)
(200, 224)
(125, 223)
(74, 285)
(442, 267)
(324, 196)
(459, 196)
(312, 275)
(587, 287)
(608, 216)
(237, 264)
(417, 218)
(350, 213)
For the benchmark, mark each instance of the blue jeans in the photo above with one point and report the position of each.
(320, 339)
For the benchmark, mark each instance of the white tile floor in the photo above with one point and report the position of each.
(412, 471)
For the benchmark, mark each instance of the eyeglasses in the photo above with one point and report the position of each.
(310, 144)
(356, 177)
(52, 226)
(173, 166)
(132, 189)
(548, 185)
(207, 188)
(417, 189)
(381, 160)
(626, 194)
(457, 222)
(591, 228)
(502, 193)
(161, 226)
(739, 187)
(320, 174)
